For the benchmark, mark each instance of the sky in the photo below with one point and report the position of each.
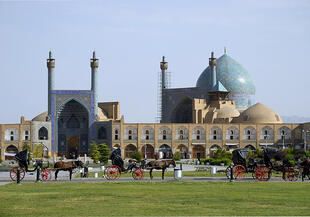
(270, 38)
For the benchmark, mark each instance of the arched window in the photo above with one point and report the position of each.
(11, 134)
(43, 133)
(147, 135)
(102, 133)
(116, 135)
(215, 134)
(198, 133)
(130, 133)
(249, 134)
(232, 133)
(26, 135)
(266, 133)
(181, 133)
(164, 133)
(284, 133)
(181, 136)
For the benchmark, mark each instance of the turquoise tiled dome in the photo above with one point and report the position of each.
(235, 79)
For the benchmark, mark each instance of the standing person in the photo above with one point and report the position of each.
(306, 168)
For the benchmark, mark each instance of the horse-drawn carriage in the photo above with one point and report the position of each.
(261, 166)
(39, 160)
(114, 171)
(241, 166)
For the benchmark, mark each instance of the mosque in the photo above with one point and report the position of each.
(219, 112)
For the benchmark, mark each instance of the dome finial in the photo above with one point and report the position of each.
(225, 50)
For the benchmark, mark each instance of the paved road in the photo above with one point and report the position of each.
(63, 176)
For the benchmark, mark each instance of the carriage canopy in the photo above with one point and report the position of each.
(239, 155)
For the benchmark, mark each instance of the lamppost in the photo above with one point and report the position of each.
(265, 138)
(305, 139)
(145, 151)
(283, 136)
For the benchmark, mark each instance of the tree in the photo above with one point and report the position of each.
(177, 156)
(137, 155)
(104, 151)
(95, 153)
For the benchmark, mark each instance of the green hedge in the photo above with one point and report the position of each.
(218, 161)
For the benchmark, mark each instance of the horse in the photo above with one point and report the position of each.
(160, 165)
(306, 169)
(67, 166)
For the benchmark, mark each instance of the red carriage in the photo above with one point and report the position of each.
(39, 156)
(114, 171)
(261, 167)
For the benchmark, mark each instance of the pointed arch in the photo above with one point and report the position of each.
(183, 112)
(43, 133)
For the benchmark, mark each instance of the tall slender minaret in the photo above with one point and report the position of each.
(212, 64)
(164, 67)
(94, 81)
(163, 85)
(51, 81)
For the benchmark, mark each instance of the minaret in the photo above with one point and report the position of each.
(164, 85)
(94, 81)
(164, 67)
(212, 64)
(51, 81)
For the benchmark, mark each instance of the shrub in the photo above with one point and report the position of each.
(221, 153)
(104, 153)
(100, 152)
(137, 155)
(226, 161)
(95, 153)
(177, 156)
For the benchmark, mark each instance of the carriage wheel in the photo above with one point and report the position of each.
(291, 174)
(228, 172)
(112, 172)
(239, 172)
(13, 173)
(138, 174)
(262, 173)
(46, 175)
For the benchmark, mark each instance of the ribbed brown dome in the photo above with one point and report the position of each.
(40, 117)
(258, 113)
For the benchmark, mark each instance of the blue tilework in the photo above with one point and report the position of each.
(235, 79)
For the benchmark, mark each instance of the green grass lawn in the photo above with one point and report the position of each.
(155, 199)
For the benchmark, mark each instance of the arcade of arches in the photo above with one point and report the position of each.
(165, 151)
